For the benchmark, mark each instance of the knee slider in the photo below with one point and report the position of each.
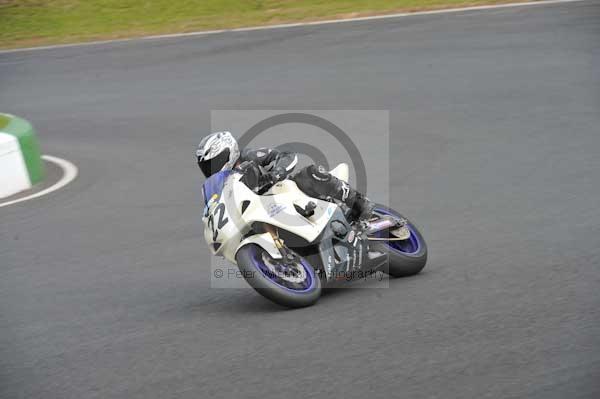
(319, 173)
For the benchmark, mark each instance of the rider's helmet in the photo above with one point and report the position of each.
(216, 152)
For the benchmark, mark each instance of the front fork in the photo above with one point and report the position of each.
(288, 256)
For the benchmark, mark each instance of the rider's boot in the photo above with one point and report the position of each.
(361, 208)
(317, 182)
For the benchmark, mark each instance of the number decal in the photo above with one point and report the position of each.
(211, 225)
(222, 221)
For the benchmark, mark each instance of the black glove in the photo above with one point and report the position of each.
(268, 179)
(247, 166)
(277, 174)
(257, 179)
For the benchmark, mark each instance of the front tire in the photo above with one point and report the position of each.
(407, 257)
(293, 286)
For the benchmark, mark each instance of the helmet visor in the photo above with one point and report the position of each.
(213, 165)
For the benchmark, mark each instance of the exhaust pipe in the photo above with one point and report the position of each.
(384, 223)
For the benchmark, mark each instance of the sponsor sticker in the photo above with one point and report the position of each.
(350, 236)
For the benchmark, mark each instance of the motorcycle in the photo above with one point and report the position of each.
(288, 245)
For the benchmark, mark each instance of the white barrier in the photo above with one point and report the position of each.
(13, 172)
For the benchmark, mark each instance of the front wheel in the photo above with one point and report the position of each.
(292, 283)
(405, 257)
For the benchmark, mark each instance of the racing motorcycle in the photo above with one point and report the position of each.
(288, 245)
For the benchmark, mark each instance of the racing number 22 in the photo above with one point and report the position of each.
(222, 221)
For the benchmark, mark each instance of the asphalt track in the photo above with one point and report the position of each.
(104, 289)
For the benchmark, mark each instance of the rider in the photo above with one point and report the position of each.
(219, 151)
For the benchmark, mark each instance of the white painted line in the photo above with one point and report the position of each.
(293, 25)
(69, 174)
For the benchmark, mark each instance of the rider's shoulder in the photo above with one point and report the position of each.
(255, 154)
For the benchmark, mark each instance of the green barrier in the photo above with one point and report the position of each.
(4, 119)
(26, 136)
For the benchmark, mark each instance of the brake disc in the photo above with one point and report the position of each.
(295, 272)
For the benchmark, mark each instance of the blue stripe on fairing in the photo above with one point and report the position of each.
(214, 184)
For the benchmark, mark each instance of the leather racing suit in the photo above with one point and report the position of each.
(315, 181)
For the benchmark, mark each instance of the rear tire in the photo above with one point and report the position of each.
(256, 266)
(404, 259)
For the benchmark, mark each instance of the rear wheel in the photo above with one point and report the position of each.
(288, 282)
(405, 257)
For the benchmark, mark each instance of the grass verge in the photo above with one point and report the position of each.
(39, 22)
